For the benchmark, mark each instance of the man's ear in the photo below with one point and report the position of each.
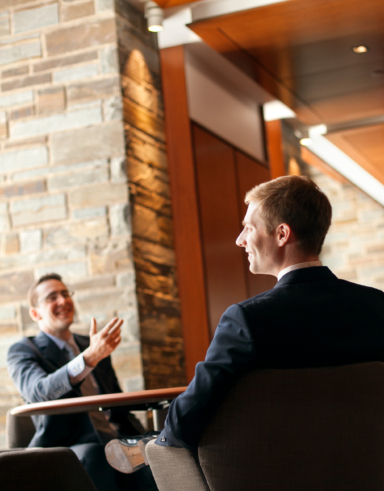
(284, 232)
(34, 313)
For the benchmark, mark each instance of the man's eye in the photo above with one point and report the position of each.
(52, 298)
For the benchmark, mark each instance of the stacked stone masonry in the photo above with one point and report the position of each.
(64, 195)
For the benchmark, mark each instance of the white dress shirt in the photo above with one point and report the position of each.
(309, 264)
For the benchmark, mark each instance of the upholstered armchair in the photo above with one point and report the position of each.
(319, 429)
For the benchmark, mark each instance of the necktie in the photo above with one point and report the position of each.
(89, 388)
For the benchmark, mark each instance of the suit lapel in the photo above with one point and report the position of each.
(50, 351)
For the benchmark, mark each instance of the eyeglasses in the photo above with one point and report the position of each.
(52, 297)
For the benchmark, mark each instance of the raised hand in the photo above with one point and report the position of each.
(102, 343)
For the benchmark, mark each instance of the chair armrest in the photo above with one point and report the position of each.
(174, 469)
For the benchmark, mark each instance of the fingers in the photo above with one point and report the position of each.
(112, 326)
(93, 329)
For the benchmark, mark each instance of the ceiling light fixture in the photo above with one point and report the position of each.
(155, 16)
(360, 49)
(305, 142)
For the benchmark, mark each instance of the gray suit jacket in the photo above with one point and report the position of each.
(38, 369)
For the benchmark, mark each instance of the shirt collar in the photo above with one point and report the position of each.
(309, 264)
(60, 343)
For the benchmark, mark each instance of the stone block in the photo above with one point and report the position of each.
(4, 24)
(155, 253)
(152, 200)
(23, 159)
(120, 219)
(58, 122)
(99, 302)
(15, 72)
(132, 43)
(145, 148)
(107, 194)
(66, 39)
(69, 271)
(4, 222)
(148, 177)
(8, 330)
(166, 231)
(76, 73)
(9, 243)
(143, 120)
(14, 286)
(141, 94)
(57, 169)
(17, 83)
(76, 179)
(108, 60)
(15, 99)
(23, 112)
(118, 169)
(85, 213)
(103, 5)
(64, 61)
(35, 18)
(51, 256)
(99, 282)
(156, 283)
(19, 52)
(37, 210)
(7, 312)
(69, 12)
(90, 229)
(144, 223)
(59, 237)
(113, 109)
(130, 330)
(51, 100)
(107, 260)
(95, 142)
(96, 89)
(3, 125)
(22, 189)
(30, 240)
(126, 279)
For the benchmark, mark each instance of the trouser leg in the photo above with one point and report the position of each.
(92, 457)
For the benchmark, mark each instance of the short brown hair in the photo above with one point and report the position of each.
(32, 295)
(298, 202)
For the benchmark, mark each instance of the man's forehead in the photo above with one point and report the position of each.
(50, 286)
(252, 212)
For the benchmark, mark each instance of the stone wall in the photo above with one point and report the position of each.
(159, 307)
(64, 199)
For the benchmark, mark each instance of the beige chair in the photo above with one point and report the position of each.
(38, 469)
(319, 429)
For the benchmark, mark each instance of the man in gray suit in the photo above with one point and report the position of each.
(57, 364)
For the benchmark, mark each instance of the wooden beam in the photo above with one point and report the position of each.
(188, 244)
(274, 139)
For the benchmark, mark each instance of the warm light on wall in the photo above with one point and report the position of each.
(155, 16)
(360, 49)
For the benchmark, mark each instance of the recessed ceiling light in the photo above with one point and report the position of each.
(305, 141)
(360, 49)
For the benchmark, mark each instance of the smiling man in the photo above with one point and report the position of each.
(57, 364)
(309, 319)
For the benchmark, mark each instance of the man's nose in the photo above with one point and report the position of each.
(240, 241)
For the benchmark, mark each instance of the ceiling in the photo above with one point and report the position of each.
(301, 52)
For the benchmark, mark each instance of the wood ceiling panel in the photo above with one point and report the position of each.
(300, 51)
(357, 144)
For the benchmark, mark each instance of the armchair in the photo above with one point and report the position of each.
(318, 429)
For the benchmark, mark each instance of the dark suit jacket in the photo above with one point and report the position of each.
(38, 369)
(309, 319)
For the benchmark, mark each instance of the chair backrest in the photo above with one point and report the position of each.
(43, 469)
(314, 429)
(19, 431)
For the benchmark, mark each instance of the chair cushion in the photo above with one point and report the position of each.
(310, 429)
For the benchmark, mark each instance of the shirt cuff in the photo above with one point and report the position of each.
(78, 370)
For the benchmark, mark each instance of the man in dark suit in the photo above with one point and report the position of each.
(309, 319)
(57, 364)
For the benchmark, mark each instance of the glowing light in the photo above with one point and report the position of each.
(305, 142)
(360, 49)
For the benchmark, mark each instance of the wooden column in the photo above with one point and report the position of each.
(274, 136)
(188, 245)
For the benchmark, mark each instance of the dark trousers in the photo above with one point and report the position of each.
(105, 477)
